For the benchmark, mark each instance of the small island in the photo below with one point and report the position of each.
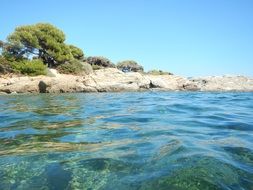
(36, 59)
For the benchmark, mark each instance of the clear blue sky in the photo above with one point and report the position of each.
(186, 37)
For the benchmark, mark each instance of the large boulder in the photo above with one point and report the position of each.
(170, 82)
(52, 72)
(113, 80)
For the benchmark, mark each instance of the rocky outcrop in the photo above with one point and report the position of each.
(224, 83)
(114, 80)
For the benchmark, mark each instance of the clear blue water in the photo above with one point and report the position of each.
(149, 140)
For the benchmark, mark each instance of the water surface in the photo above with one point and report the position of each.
(149, 140)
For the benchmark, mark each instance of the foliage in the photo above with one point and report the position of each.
(1, 44)
(1, 47)
(131, 65)
(76, 52)
(5, 66)
(75, 67)
(43, 40)
(100, 61)
(96, 67)
(30, 67)
(158, 72)
(87, 68)
(46, 43)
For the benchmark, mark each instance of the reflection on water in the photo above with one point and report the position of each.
(127, 141)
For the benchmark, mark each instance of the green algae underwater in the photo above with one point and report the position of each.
(144, 140)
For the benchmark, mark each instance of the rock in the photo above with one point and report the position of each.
(42, 87)
(167, 82)
(190, 86)
(224, 83)
(52, 72)
(106, 80)
(114, 80)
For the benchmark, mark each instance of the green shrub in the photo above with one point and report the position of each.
(158, 72)
(130, 65)
(30, 67)
(75, 67)
(87, 68)
(76, 52)
(96, 67)
(99, 62)
(5, 66)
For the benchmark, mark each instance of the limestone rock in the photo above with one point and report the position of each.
(114, 80)
(224, 83)
(167, 82)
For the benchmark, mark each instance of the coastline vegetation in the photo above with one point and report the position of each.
(158, 72)
(31, 67)
(75, 67)
(32, 49)
(130, 65)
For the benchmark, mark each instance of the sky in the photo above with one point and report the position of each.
(185, 37)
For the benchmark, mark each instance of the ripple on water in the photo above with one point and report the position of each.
(151, 140)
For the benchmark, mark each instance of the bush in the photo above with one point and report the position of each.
(130, 65)
(102, 62)
(5, 66)
(158, 72)
(87, 68)
(96, 67)
(75, 67)
(1, 44)
(30, 67)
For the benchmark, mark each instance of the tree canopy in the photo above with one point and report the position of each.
(76, 52)
(42, 40)
(30, 46)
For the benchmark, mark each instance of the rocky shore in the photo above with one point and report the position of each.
(114, 80)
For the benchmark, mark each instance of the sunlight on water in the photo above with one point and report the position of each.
(127, 141)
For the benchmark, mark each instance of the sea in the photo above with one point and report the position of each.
(127, 141)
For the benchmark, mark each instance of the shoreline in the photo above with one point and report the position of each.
(114, 80)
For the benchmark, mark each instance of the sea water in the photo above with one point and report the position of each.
(141, 140)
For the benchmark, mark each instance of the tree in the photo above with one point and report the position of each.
(76, 52)
(42, 40)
